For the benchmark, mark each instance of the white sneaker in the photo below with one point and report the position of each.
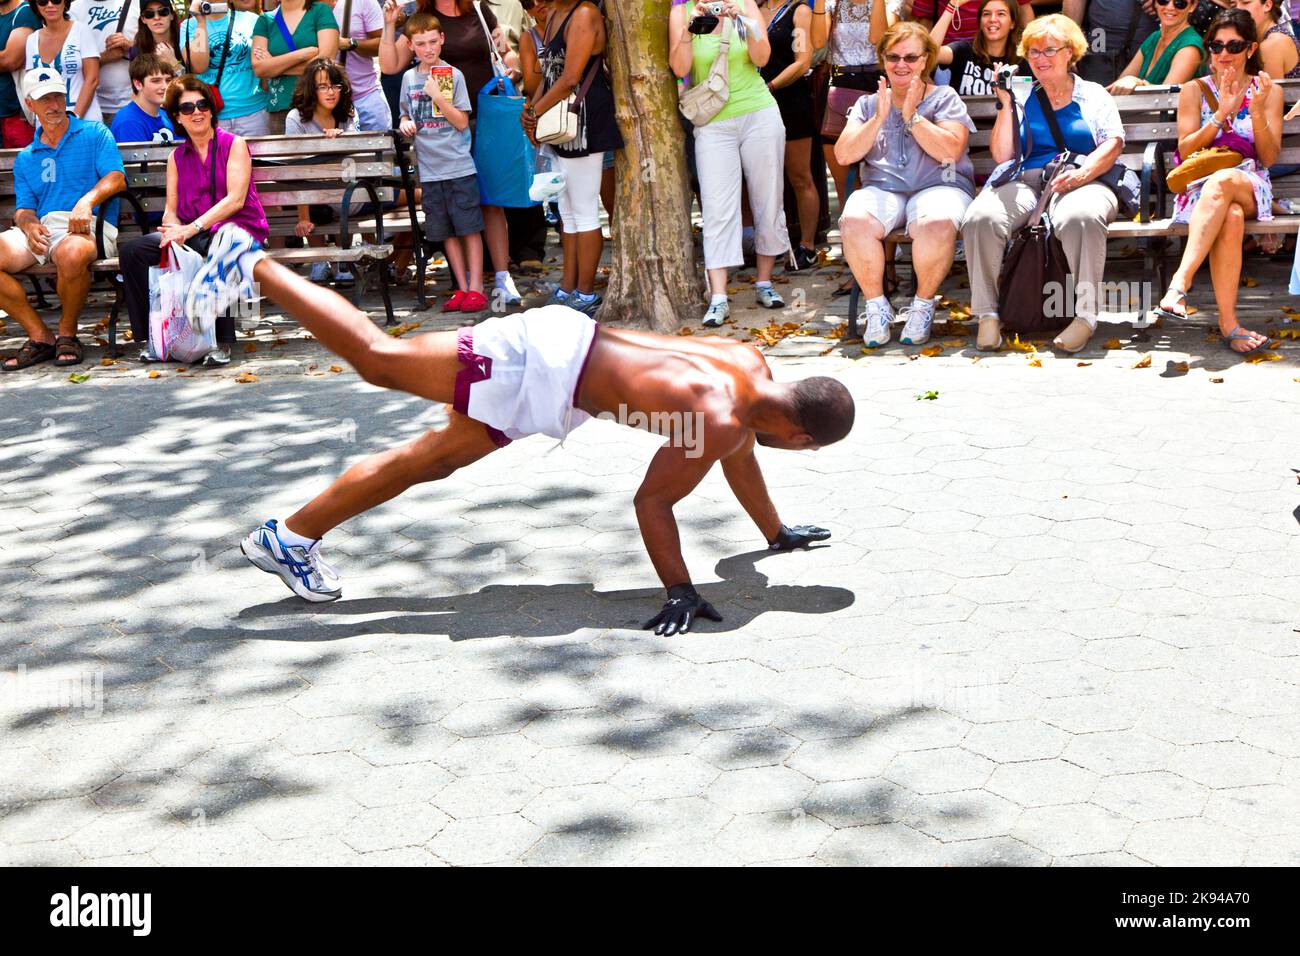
(510, 295)
(916, 331)
(875, 322)
(303, 570)
(716, 313)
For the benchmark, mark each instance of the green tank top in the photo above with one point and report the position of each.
(748, 91)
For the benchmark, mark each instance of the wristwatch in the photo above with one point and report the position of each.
(910, 122)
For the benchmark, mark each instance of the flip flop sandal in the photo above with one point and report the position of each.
(1237, 334)
(68, 344)
(1181, 295)
(32, 353)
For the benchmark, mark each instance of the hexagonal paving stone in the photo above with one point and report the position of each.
(1072, 829)
(393, 827)
(995, 851)
(842, 758)
(1188, 842)
(855, 803)
(759, 790)
(1042, 783)
(769, 837)
(486, 794)
(889, 844)
(939, 771)
(1257, 811)
(962, 815)
(496, 839)
(751, 747)
(655, 778)
(1151, 796)
(1227, 764)
(1014, 740)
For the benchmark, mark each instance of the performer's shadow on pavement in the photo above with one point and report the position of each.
(527, 610)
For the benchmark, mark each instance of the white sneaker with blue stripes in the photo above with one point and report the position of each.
(303, 570)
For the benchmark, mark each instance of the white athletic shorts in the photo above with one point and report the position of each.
(891, 210)
(522, 372)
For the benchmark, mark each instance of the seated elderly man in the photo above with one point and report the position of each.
(60, 180)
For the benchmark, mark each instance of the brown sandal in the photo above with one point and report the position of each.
(32, 353)
(66, 345)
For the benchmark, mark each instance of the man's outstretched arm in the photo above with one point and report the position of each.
(747, 484)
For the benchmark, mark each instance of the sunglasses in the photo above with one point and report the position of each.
(202, 105)
(910, 59)
(49, 3)
(156, 13)
(1178, 4)
(1232, 46)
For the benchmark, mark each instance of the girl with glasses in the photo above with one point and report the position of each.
(1279, 50)
(69, 48)
(322, 106)
(1090, 125)
(1236, 106)
(1172, 55)
(157, 32)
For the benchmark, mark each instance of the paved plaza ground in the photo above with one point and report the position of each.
(1056, 623)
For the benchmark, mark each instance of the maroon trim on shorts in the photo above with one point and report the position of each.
(478, 368)
(577, 386)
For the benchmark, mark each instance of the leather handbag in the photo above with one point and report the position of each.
(1203, 162)
(840, 100)
(703, 101)
(1035, 289)
(560, 124)
(1121, 180)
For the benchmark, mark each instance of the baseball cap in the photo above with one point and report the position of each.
(42, 81)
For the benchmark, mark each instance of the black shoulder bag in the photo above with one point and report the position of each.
(1121, 180)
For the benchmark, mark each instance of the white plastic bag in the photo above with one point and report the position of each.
(171, 336)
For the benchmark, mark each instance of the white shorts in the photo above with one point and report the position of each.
(891, 210)
(522, 372)
(57, 223)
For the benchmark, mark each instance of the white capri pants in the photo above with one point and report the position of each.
(891, 210)
(580, 198)
(752, 144)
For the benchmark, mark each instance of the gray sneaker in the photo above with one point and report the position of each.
(558, 297)
(769, 298)
(217, 358)
(716, 313)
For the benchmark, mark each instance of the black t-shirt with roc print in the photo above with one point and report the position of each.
(968, 74)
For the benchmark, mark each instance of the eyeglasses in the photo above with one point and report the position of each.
(910, 59)
(1046, 53)
(329, 87)
(1178, 4)
(1232, 46)
(156, 13)
(202, 105)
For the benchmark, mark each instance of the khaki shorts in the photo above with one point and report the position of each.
(57, 224)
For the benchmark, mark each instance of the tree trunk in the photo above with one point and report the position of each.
(652, 282)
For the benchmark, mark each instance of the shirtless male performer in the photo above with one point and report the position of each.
(548, 370)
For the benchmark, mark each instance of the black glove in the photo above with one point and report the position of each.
(800, 536)
(683, 607)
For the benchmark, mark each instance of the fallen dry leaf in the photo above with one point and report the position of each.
(932, 351)
(106, 362)
(336, 368)
(1259, 357)
(1112, 344)
(398, 331)
(1288, 334)
(250, 347)
(243, 378)
(1143, 362)
(1248, 281)
(154, 373)
(1018, 346)
(1182, 367)
(1035, 363)
(1219, 381)
(1082, 364)
(685, 331)
(953, 343)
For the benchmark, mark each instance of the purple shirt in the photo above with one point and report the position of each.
(367, 15)
(195, 192)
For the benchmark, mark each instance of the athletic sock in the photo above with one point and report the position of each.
(765, 284)
(922, 305)
(718, 298)
(291, 539)
(882, 301)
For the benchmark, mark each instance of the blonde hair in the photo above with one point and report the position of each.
(1054, 25)
(910, 30)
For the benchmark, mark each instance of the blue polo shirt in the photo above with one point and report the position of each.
(53, 179)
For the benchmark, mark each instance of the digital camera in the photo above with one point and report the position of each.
(206, 8)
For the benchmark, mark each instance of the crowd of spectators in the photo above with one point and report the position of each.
(876, 88)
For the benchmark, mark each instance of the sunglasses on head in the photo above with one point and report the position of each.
(1232, 46)
(1178, 4)
(156, 13)
(202, 105)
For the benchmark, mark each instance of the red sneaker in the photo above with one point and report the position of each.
(474, 302)
(456, 303)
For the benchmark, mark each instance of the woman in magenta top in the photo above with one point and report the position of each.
(209, 184)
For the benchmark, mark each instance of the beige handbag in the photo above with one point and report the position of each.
(705, 100)
(560, 124)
